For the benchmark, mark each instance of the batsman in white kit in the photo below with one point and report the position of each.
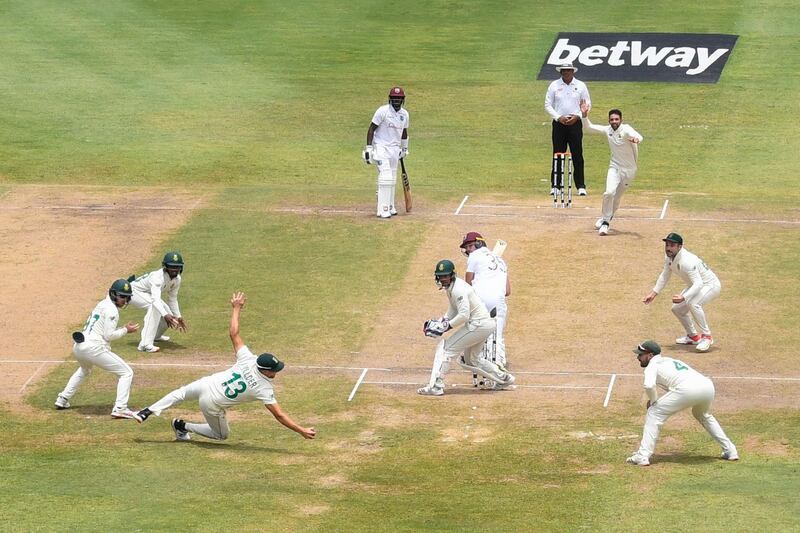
(249, 380)
(467, 313)
(149, 291)
(702, 287)
(487, 273)
(623, 141)
(92, 349)
(685, 387)
(387, 143)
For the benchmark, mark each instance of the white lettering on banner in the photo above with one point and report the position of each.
(652, 54)
(681, 57)
(705, 60)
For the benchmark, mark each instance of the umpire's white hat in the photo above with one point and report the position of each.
(566, 66)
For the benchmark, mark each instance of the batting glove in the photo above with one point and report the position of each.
(403, 148)
(367, 154)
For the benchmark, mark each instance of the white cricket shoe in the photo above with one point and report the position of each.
(554, 191)
(730, 455)
(123, 413)
(603, 228)
(637, 459)
(581, 192)
(688, 339)
(162, 338)
(180, 430)
(599, 223)
(393, 211)
(62, 403)
(148, 349)
(705, 343)
(430, 391)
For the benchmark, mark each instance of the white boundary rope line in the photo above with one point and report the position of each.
(664, 209)
(462, 204)
(357, 385)
(610, 386)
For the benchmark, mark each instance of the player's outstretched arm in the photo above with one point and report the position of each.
(283, 418)
(237, 302)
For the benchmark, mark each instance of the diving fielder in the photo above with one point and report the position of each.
(685, 388)
(387, 143)
(148, 291)
(623, 141)
(488, 275)
(467, 310)
(703, 286)
(250, 379)
(92, 349)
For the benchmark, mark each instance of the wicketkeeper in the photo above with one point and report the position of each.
(468, 314)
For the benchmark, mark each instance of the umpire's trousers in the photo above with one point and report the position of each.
(572, 136)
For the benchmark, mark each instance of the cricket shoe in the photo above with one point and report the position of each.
(430, 391)
(554, 191)
(142, 415)
(637, 459)
(162, 338)
(688, 339)
(730, 455)
(180, 429)
(123, 413)
(62, 403)
(582, 192)
(603, 228)
(393, 211)
(148, 349)
(705, 343)
(599, 223)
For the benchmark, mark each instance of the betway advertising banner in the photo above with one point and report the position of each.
(667, 57)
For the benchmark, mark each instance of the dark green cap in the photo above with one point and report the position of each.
(267, 361)
(673, 237)
(648, 347)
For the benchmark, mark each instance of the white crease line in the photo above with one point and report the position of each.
(561, 215)
(550, 206)
(664, 209)
(470, 386)
(31, 378)
(610, 387)
(358, 384)
(462, 204)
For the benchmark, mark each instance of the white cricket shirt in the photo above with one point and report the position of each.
(491, 275)
(624, 153)
(240, 383)
(101, 326)
(160, 287)
(691, 269)
(562, 99)
(465, 305)
(669, 374)
(390, 124)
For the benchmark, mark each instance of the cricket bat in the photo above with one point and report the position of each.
(499, 247)
(406, 186)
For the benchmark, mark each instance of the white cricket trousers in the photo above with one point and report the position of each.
(216, 426)
(90, 354)
(470, 344)
(697, 394)
(691, 311)
(154, 324)
(388, 157)
(617, 181)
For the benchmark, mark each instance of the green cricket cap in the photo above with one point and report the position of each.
(267, 361)
(673, 237)
(648, 347)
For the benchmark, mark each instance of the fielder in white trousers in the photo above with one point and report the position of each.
(91, 354)
(685, 388)
(216, 426)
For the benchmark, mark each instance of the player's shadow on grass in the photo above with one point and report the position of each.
(217, 445)
(94, 409)
(619, 233)
(684, 459)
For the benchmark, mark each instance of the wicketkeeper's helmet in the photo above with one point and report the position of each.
(445, 267)
(121, 287)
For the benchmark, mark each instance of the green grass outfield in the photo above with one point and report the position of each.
(267, 103)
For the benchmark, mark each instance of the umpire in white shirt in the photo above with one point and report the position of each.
(563, 103)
